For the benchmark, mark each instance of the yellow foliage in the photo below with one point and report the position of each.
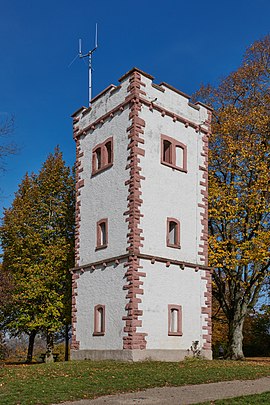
(239, 180)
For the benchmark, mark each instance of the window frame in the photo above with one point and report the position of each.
(99, 323)
(100, 245)
(107, 154)
(175, 245)
(172, 153)
(104, 163)
(179, 323)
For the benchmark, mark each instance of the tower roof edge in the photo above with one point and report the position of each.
(135, 69)
(204, 105)
(83, 108)
(169, 86)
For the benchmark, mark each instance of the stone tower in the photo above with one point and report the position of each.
(141, 283)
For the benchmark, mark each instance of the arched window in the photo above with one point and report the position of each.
(175, 320)
(173, 233)
(99, 320)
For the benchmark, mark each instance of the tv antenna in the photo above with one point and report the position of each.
(90, 68)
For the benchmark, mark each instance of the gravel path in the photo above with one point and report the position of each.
(189, 394)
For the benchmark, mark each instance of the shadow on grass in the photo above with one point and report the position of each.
(18, 363)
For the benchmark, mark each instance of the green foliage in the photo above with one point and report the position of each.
(5, 286)
(257, 333)
(58, 382)
(37, 239)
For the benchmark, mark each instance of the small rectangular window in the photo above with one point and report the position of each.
(102, 233)
(175, 320)
(102, 156)
(103, 239)
(99, 320)
(98, 158)
(173, 233)
(179, 156)
(108, 153)
(167, 151)
(173, 153)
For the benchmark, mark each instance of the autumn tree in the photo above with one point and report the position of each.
(239, 221)
(38, 238)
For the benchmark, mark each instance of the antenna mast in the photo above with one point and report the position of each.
(90, 69)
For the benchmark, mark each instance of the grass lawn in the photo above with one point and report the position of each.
(246, 400)
(52, 383)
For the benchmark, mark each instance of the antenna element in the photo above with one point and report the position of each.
(90, 69)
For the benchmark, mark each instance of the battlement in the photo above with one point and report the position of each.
(161, 97)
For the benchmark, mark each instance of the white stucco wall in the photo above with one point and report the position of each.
(171, 285)
(170, 193)
(105, 194)
(165, 192)
(174, 102)
(104, 104)
(104, 287)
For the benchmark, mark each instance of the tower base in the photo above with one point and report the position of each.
(136, 355)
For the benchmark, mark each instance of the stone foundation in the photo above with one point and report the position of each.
(135, 355)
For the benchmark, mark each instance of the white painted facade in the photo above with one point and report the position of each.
(168, 192)
(109, 293)
(171, 285)
(104, 195)
(168, 276)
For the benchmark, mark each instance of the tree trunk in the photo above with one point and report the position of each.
(3, 348)
(49, 348)
(235, 347)
(66, 342)
(31, 346)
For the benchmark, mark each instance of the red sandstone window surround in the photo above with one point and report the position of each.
(102, 233)
(173, 233)
(102, 156)
(173, 153)
(99, 320)
(175, 320)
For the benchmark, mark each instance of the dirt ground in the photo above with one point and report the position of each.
(259, 360)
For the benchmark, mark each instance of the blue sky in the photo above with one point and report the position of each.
(184, 43)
